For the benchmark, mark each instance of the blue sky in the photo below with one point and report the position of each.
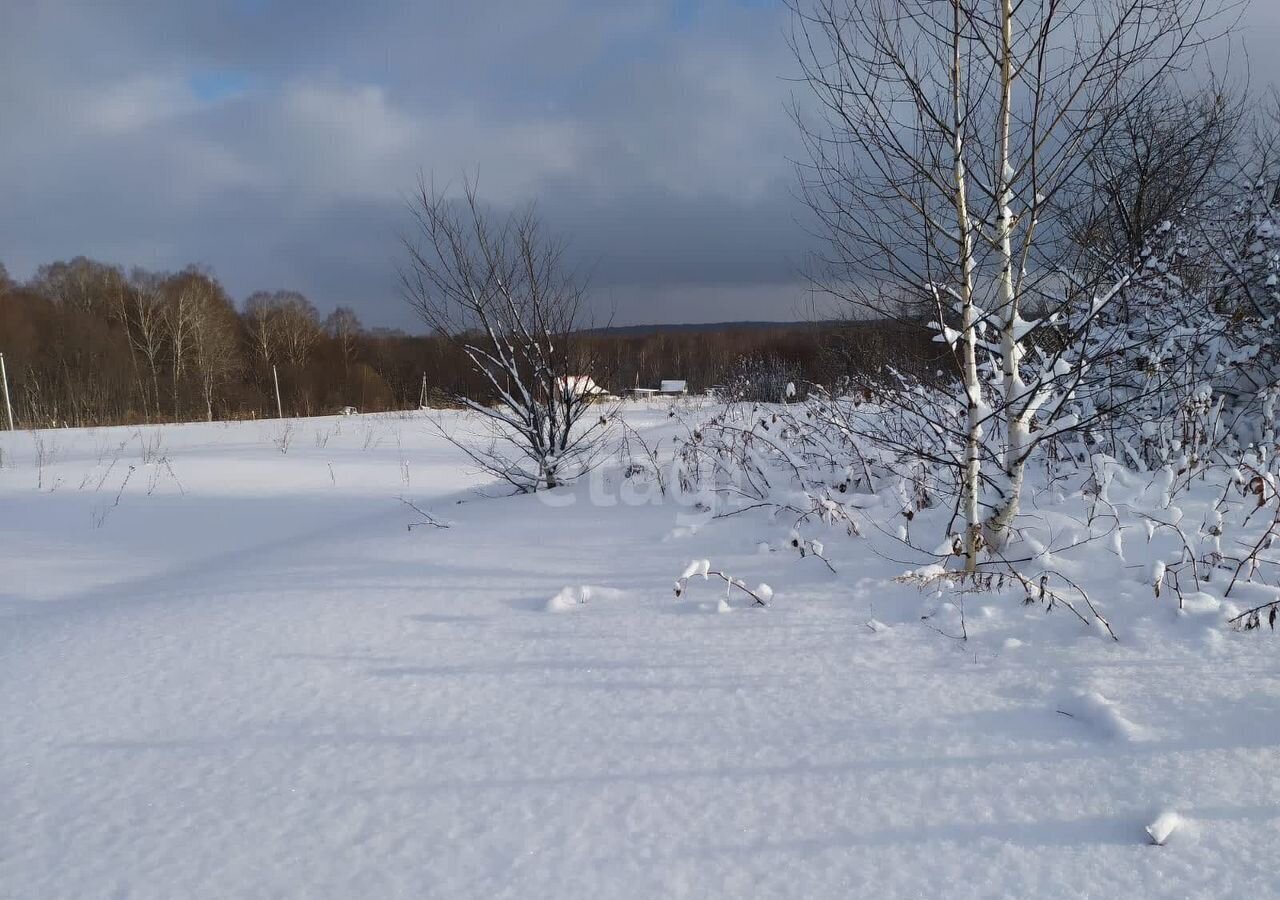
(274, 140)
(212, 85)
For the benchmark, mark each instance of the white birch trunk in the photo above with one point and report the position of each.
(968, 329)
(1013, 388)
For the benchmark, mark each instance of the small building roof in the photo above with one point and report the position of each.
(582, 385)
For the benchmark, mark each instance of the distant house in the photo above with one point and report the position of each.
(667, 388)
(582, 386)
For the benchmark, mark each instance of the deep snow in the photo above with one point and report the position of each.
(248, 678)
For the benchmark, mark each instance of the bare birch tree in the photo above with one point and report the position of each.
(180, 313)
(146, 326)
(212, 332)
(945, 134)
(283, 326)
(260, 325)
(297, 326)
(343, 325)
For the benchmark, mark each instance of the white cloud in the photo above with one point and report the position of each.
(350, 141)
(133, 104)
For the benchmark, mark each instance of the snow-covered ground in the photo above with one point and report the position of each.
(232, 671)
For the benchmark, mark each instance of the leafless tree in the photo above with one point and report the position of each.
(122, 293)
(1168, 155)
(343, 325)
(183, 301)
(82, 284)
(146, 326)
(500, 289)
(297, 326)
(946, 134)
(212, 334)
(260, 324)
(283, 326)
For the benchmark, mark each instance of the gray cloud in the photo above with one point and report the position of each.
(274, 140)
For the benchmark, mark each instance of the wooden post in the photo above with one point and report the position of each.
(279, 406)
(8, 405)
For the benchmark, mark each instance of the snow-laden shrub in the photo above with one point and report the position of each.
(763, 379)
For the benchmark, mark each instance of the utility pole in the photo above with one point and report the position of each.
(8, 405)
(422, 394)
(279, 406)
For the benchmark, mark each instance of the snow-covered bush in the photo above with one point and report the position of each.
(762, 379)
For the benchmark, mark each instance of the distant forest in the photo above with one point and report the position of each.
(87, 343)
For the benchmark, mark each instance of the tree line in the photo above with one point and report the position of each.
(90, 343)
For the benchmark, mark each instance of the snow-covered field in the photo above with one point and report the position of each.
(232, 671)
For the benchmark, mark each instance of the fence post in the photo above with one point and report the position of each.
(279, 407)
(8, 405)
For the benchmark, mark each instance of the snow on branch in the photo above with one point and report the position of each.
(760, 596)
